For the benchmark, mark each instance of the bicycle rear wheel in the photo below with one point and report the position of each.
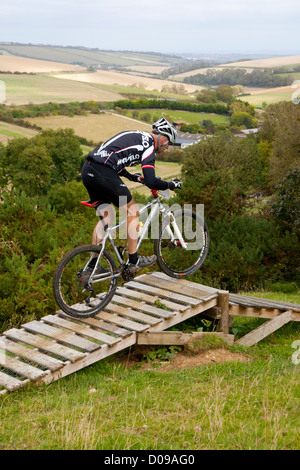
(75, 291)
(172, 257)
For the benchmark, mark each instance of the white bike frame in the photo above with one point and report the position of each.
(156, 206)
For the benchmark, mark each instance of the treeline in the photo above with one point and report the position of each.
(256, 78)
(185, 68)
(47, 109)
(172, 104)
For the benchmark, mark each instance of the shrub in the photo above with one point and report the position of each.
(246, 252)
(286, 207)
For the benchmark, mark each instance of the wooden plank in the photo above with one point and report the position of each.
(117, 320)
(44, 344)
(151, 299)
(60, 335)
(101, 325)
(266, 329)
(171, 285)
(158, 312)
(187, 283)
(249, 301)
(178, 338)
(80, 329)
(132, 314)
(163, 338)
(90, 358)
(257, 312)
(183, 316)
(11, 383)
(162, 293)
(30, 354)
(21, 368)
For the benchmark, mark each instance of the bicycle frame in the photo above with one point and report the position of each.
(156, 207)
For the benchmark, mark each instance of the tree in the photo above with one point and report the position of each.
(243, 119)
(224, 93)
(281, 127)
(32, 165)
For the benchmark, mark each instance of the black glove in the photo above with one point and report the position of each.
(138, 178)
(175, 184)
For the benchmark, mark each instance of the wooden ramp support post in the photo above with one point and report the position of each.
(266, 329)
(223, 304)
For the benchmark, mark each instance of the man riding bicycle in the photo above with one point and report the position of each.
(101, 176)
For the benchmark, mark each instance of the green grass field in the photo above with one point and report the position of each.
(268, 98)
(24, 89)
(10, 131)
(189, 117)
(129, 402)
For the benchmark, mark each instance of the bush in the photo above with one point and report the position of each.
(246, 252)
(218, 170)
(33, 239)
(286, 207)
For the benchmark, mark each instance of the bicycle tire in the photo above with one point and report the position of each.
(172, 258)
(71, 290)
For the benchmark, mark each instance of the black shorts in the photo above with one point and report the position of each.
(103, 184)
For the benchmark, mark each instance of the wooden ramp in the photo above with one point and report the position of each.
(59, 345)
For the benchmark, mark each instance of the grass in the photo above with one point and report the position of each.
(108, 406)
(10, 131)
(268, 98)
(24, 89)
(189, 117)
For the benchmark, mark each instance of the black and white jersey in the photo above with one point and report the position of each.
(126, 149)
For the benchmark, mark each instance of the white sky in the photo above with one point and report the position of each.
(183, 26)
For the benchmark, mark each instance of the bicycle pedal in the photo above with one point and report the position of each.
(127, 275)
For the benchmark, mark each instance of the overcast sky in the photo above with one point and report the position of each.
(183, 26)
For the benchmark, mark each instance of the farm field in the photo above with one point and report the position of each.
(86, 57)
(24, 89)
(96, 127)
(189, 117)
(248, 64)
(267, 63)
(111, 78)
(269, 96)
(10, 131)
(9, 63)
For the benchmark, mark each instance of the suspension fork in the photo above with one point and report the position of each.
(174, 234)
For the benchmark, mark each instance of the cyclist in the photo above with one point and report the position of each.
(101, 176)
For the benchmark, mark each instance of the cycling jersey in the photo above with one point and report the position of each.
(129, 148)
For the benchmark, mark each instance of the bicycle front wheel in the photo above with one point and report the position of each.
(179, 259)
(76, 291)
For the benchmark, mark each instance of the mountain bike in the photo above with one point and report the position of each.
(181, 243)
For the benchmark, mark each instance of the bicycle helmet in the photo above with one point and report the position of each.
(162, 126)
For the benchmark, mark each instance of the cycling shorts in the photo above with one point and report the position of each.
(103, 184)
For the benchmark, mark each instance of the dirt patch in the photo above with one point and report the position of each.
(212, 356)
(182, 359)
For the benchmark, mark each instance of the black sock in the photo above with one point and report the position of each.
(133, 258)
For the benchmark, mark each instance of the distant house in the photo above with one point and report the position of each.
(243, 133)
(178, 124)
(184, 139)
